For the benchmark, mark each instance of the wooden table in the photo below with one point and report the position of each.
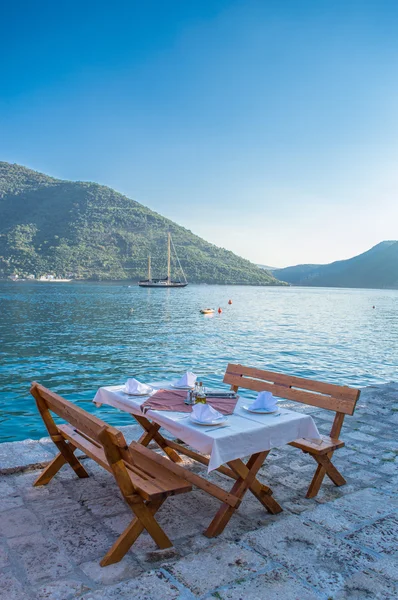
(257, 430)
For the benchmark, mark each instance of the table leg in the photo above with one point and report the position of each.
(152, 433)
(244, 474)
(262, 492)
(246, 480)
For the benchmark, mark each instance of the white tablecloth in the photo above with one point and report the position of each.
(246, 434)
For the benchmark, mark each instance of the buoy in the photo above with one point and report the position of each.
(219, 311)
(374, 307)
(229, 301)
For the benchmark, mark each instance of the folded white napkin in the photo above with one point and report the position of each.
(133, 386)
(205, 413)
(187, 380)
(265, 401)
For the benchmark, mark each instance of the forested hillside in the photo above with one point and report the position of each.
(90, 231)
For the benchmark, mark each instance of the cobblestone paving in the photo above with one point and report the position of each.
(341, 545)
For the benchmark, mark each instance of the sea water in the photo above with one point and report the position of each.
(76, 337)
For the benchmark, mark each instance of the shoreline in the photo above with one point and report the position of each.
(133, 283)
(29, 454)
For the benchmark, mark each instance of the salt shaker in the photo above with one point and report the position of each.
(189, 399)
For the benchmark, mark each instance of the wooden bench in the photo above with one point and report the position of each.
(336, 398)
(145, 483)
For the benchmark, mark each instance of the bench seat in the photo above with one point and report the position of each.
(328, 444)
(151, 480)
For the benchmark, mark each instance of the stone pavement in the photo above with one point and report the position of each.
(341, 545)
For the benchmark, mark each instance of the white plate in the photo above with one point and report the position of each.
(182, 387)
(218, 421)
(259, 411)
(145, 394)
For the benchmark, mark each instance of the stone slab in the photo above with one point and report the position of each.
(368, 586)
(217, 566)
(318, 558)
(6, 489)
(352, 510)
(64, 589)
(363, 477)
(41, 558)
(19, 456)
(106, 506)
(275, 585)
(151, 586)
(18, 521)
(381, 536)
(125, 569)
(79, 534)
(360, 436)
(12, 501)
(330, 518)
(389, 468)
(369, 503)
(4, 557)
(12, 589)
(387, 566)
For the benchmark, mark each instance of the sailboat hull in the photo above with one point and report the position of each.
(162, 284)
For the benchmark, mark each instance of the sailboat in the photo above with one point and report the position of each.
(167, 282)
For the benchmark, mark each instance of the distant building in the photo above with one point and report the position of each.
(46, 277)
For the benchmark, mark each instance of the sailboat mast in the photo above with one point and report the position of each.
(178, 260)
(165, 282)
(168, 256)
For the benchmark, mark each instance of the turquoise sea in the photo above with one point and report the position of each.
(76, 337)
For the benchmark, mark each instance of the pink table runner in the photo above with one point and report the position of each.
(174, 400)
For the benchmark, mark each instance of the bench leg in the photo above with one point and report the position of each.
(144, 520)
(325, 467)
(65, 456)
(331, 470)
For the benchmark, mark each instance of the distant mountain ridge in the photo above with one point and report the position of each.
(267, 268)
(375, 268)
(90, 231)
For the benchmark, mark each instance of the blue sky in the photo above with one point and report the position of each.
(267, 127)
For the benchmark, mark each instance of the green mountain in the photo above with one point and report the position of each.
(63, 227)
(376, 268)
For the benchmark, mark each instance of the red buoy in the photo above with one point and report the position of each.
(229, 301)
(219, 311)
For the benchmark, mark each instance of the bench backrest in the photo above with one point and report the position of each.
(337, 398)
(84, 422)
(332, 397)
(106, 445)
